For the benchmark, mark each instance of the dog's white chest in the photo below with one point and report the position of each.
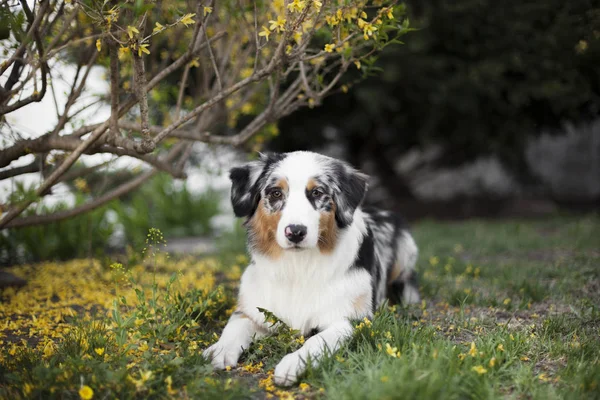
(304, 295)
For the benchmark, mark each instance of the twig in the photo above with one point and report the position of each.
(114, 87)
(33, 28)
(213, 62)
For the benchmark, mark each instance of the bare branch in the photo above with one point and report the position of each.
(213, 62)
(35, 166)
(92, 205)
(114, 87)
(35, 23)
(211, 102)
(35, 96)
(139, 75)
(53, 178)
(182, 85)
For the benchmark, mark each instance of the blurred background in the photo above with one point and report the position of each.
(489, 109)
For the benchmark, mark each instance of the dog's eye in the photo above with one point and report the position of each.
(276, 194)
(316, 193)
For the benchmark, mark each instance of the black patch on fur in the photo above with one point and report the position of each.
(322, 203)
(244, 206)
(368, 260)
(396, 221)
(396, 289)
(394, 292)
(314, 331)
(352, 189)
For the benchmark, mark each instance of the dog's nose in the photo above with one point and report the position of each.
(295, 233)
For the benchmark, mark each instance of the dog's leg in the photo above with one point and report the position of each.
(236, 337)
(403, 287)
(294, 364)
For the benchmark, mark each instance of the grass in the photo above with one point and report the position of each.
(510, 310)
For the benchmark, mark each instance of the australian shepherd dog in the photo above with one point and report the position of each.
(318, 259)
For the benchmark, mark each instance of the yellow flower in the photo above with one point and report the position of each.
(158, 27)
(98, 44)
(389, 13)
(434, 261)
(187, 19)
(304, 387)
(317, 5)
(99, 351)
(329, 47)
(123, 51)
(462, 356)
(506, 302)
(493, 362)
(143, 346)
(392, 351)
(357, 63)
(500, 347)
(265, 32)
(331, 20)
(296, 6)
(278, 25)
(131, 30)
(473, 350)
(207, 10)
(479, 369)
(81, 185)
(86, 392)
(143, 48)
(384, 378)
(169, 382)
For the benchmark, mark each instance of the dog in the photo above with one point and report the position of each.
(318, 259)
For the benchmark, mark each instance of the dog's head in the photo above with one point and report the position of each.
(295, 201)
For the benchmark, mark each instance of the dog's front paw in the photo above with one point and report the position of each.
(222, 355)
(288, 369)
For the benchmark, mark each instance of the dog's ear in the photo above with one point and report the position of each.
(351, 187)
(246, 183)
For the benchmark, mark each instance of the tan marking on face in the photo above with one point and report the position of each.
(361, 303)
(311, 184)
(328, 231)
(264, 228)
(283, 184)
